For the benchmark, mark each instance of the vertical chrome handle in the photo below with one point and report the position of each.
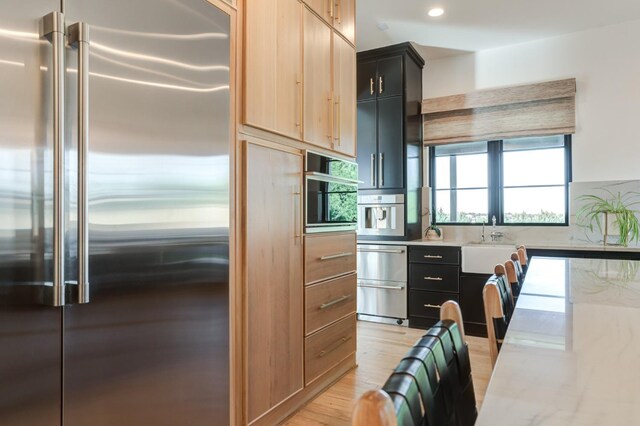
(380, 85)
(373, 170)
(79, 36)
(381, 170)
(298, 101)
(330, 119)
(52, 27)
(337, 121)
(297, 196)
(371, 86)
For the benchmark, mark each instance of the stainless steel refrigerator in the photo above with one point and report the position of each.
(114, 212)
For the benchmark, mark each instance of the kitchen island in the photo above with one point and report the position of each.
(572, 350)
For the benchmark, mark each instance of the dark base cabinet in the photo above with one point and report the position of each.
(434, 273)
(472, 304)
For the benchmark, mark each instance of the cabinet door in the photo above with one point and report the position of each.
(367, 144)
(390, 145)
(324, 8)
(274, 277)
(273, 66)
(389, 77)
(345, 18)
(367, 80)
(344, 87)
(318, 100)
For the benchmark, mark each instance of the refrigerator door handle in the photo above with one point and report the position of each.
(79, 37)
(52, 27)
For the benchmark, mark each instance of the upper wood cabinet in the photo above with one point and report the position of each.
(274, 277)
(273, 66)
(344, 89)
(341, 14)
(318, 97)
(324, 8)
(345, 19)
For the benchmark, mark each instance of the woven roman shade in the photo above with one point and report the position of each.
(528, 110)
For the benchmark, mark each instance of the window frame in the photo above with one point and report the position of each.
(495, 202)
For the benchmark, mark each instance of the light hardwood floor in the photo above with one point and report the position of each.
(380, 348)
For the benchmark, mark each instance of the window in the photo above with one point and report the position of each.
(519, 181)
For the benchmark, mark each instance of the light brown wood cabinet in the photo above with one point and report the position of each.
(341, 14)
(345, 18)
(324, 8)
(329, 255)
(318, 99)
(344, 88)
(274, 277)
(273, 66)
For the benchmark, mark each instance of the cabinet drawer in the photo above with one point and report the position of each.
(329, 301)
(431, 254)
(434, 277)
(329, 256)
(427, 304)
(326, 348)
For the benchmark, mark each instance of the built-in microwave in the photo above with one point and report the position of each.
(331, 194)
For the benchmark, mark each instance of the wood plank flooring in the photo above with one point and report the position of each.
(380, 348)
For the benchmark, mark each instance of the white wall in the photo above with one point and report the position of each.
(606, 63)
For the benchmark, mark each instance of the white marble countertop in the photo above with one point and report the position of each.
(571, 355)
(549, 245)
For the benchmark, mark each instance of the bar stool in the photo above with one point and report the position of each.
(523, 258)
(404, 393)
(375, 408)
(498, 308)
(466, 411)
(514, 276)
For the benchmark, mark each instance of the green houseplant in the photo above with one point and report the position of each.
(433, 232)
(612, 211)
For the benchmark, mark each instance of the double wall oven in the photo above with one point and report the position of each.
(331, 195)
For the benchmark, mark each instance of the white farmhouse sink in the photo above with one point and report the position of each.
(481, 258)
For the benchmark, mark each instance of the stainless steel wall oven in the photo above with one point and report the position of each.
(331, 194)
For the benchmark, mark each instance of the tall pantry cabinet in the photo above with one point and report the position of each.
(299, 93)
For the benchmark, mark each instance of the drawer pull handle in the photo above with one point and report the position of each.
(335, 346)
(390, 251)
(335, 302)
(384, 287)
(433, 278)
(336, 256)
(428, 305)
(430, 256)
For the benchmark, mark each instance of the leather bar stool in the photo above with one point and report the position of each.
(524, 259)
(514, 276)
(404, 393)
(498, 308)
(415, 365)
(466, 411)
(447, 386)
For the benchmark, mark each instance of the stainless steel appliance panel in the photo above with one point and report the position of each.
(381, 215)
(386, 299)
(382, 280)
(382, 262)
(331, 194)
(152, 345)
(30, 333)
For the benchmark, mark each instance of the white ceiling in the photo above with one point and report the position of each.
(472, 25)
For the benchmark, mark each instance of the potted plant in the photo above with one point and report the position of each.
(614, 216)
(434, 232)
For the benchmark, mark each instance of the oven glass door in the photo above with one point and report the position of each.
(331, 203)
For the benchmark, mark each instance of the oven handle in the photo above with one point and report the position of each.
(366, 250)
(323, 177)
(384, 287)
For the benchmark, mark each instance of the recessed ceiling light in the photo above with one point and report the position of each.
(435, 12)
